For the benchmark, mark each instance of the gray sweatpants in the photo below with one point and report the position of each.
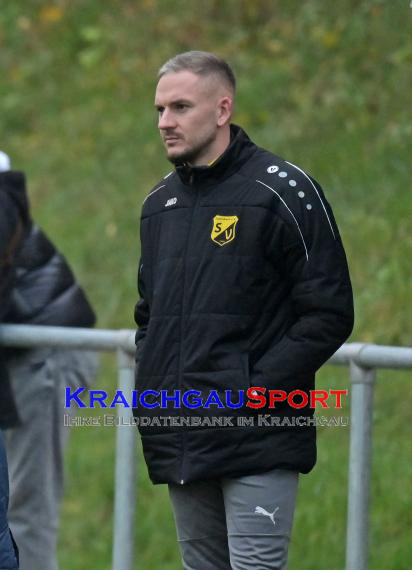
(236, 524)
(35, 448)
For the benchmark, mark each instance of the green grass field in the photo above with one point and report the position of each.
(326, 85)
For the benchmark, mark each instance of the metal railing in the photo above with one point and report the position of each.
(363, 361)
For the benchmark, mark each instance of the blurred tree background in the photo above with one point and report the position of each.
(324, 84)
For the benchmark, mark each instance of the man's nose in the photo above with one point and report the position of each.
(166, 120)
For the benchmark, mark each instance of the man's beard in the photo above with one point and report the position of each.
(190, 155)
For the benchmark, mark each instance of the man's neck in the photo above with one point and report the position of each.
(214, 153)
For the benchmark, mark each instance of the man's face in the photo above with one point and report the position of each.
(188, 107)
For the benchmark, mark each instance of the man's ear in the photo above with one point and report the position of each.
(224, 110)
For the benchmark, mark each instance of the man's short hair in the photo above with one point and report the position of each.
(200, 63)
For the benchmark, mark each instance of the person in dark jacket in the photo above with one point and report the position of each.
(45, 292)
(244, 293)
(14, 222)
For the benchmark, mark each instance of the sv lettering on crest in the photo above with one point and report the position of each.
(224, 229)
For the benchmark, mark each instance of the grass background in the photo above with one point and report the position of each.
(327, 85)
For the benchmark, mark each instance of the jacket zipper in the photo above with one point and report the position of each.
(182, 325)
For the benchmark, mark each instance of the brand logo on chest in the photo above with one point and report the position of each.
(224, 229)
(171, 202)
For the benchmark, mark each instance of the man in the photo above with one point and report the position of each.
(45, 292)
(244, 284)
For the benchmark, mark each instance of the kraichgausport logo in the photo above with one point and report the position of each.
(224, 229)
(255, 397)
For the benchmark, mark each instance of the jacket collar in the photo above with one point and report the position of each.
(237, 153)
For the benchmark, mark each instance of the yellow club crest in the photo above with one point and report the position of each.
(224, 229)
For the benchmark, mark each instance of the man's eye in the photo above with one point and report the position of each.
(160, 110)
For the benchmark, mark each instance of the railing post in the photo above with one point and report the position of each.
(125, 474)
(360, 455)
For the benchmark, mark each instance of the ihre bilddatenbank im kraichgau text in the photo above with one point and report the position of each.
(254, 398)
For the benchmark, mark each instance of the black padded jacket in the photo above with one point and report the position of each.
(46, 291)
(243, 283)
